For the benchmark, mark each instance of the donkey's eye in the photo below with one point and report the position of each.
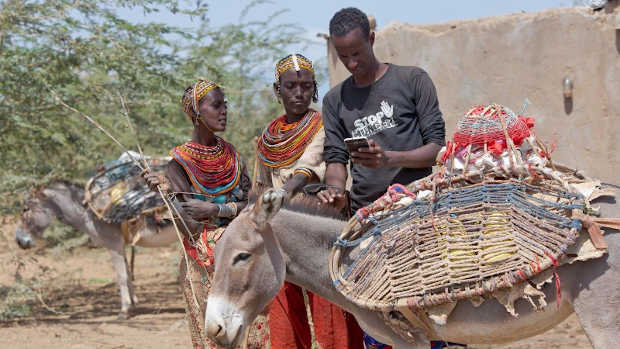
(243, 256)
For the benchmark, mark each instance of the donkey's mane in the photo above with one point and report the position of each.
(76, 189)
(310, 205)
(305, 204)
(67, 183)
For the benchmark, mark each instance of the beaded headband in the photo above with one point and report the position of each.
(294, 61)
(193, 95)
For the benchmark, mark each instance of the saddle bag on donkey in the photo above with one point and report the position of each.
(117, 194)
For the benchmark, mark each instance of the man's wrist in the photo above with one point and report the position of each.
(336, 174)
(391, 158)
(335, 183)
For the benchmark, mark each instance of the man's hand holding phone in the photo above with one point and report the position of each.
(366, 152)
(355, 143)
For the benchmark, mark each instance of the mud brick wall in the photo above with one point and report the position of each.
(509, 58)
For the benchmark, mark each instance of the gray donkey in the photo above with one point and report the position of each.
(63, 200)
(266, 245)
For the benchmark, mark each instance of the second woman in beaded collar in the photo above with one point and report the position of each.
(289, 156)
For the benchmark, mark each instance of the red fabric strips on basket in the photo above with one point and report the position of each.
(483, 125)
(394, 194)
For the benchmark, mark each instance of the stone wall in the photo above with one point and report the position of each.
(510, 58)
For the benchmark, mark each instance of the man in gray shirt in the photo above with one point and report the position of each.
(395, 107)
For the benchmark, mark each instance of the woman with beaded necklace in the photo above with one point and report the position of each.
(210, 185)
(289, 156)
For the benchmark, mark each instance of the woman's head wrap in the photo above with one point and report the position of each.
(193, 95)
(296, 61)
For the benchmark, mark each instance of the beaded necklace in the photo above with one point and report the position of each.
(213, 170)
(283, 143)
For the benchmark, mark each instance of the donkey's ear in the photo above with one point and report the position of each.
(267, 205)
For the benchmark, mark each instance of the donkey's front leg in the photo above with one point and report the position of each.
(124, 282)
(123, 276)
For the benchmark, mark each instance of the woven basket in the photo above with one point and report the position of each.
(118, 192)
(465, 242)
(503, 215)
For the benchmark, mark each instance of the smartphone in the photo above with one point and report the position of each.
(353, 144)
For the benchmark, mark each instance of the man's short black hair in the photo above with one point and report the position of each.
(346, 20)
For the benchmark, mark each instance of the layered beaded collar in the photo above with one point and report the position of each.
(283, 143)
(213, 170)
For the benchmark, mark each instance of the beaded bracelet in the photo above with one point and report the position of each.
(228, 210)
(306, 172)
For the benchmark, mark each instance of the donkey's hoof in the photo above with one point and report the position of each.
(125, 315)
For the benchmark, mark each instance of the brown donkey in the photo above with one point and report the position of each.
(265, 245)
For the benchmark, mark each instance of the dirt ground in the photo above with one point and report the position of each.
(73, 300)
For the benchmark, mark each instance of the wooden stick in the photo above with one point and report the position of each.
(91, 120)
(133, 130)
(467, 159)
(191, 284)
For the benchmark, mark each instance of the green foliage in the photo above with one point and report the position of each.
(89, 57)
(241, 58)
(17, 301)
(86, 55)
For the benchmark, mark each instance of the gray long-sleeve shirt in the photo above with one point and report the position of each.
(399, 111)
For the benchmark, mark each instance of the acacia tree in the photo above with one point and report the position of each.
(83, 53)
(241, 56)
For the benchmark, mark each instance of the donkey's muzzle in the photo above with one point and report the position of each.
(23, 239)
(219, 335)
(215, 330)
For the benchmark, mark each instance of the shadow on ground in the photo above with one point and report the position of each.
(77, 303)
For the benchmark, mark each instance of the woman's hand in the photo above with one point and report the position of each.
(154, 180)
(199, 210)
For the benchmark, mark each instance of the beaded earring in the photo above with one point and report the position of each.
(278, 95)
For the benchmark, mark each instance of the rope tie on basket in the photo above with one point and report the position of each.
(558, 283)
(593, 225)
(345, 243)
(491, 127)
(490, 193)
